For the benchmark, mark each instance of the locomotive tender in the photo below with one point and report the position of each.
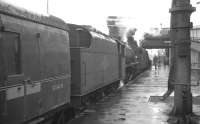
(95, 61)
(47, 64)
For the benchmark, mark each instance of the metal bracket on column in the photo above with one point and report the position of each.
(187, 8)
(182, 9)
(187, 84)
(183, 48)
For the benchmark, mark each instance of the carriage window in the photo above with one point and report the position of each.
(11, 49)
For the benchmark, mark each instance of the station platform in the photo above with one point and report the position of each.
(136, 103)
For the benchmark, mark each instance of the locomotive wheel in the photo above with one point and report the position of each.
(69, 114)
(59, 118)
(64, 116)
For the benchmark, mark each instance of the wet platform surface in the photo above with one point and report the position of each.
(134, 103)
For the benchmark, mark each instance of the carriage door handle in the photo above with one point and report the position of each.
(28, 81)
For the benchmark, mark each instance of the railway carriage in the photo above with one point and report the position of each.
(35, 66)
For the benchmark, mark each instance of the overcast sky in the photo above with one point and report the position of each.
(143, 14)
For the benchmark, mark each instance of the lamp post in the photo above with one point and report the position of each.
(180, 36)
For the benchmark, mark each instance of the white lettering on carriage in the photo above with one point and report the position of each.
(14, 92)
(57, 86)
(33, 88)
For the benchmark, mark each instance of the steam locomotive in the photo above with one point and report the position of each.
(137, 60)
(48, 66)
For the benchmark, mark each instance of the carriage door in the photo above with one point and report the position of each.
(123, 61)
(121, 55)
(12, 105)
(119, 60)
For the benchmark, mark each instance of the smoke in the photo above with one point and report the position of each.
(130, 37)
(131, 32)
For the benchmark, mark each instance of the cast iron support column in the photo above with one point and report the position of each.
(180, 34)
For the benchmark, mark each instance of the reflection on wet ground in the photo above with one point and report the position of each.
(131, 104)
